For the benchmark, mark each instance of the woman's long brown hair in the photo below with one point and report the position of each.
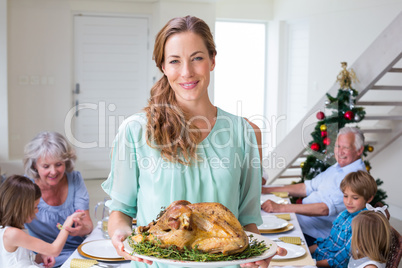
(169, 128)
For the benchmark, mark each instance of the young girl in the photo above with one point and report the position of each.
(19, 198)
(371, 240)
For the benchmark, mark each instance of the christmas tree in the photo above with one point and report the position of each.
(340, 110)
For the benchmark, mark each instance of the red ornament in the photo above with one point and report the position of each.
(315, 146)
(349, 115)
(326, 141)
(324, 134)
(320, 115)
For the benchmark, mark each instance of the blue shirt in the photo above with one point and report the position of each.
(325, 188)
(141, 182)
(336, 247)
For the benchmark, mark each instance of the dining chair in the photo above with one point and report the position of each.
(396, 250)
(396, 245)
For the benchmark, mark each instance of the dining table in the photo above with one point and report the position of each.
(291, 230)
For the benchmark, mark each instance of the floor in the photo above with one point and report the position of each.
(96, 194)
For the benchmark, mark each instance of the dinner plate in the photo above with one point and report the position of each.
(294, 251)
(273, 223)
(289, 227)
(268, 253)
(99, 250)
(278, 200)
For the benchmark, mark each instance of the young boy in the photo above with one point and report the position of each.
(358, 189)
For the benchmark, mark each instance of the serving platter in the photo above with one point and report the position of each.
(268, 253)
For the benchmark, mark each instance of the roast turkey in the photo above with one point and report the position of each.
(209, 227)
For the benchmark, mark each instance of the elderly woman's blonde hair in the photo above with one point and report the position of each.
(48, 144)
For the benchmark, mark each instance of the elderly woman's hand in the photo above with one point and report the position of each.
(82, 223)
(265, 263)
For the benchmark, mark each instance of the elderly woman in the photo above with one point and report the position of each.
(49, 162)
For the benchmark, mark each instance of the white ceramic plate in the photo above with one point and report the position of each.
(294, 251)
(268, 253)
(100, 249)
(276, 199)
(273, 224)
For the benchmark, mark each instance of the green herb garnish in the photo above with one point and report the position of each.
(147, 248)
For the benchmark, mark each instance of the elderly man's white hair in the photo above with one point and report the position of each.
(359, 137)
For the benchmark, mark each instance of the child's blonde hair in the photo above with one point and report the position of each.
(17, 201)
(361, 183)
(371, 236)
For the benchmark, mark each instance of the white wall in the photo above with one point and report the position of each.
(258, 10)
(3, 82)
(385, 166)
(39, 48)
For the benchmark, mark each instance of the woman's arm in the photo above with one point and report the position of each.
(119, 228)
(258, 137)
(83, 226)
(252, 227)
(263, 263)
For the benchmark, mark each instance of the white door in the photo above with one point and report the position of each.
(111, 74)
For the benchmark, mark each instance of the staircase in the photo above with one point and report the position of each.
(379, 70)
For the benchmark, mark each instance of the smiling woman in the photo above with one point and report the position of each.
(206, 154)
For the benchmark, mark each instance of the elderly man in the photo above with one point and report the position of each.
(323, 199)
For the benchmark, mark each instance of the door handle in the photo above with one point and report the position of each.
(76, 108)
(77, 89)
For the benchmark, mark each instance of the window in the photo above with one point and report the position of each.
(240, 69)
(297, 72)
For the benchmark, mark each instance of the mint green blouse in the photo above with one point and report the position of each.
(141, 182)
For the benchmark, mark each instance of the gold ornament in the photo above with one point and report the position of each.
(370, 148)
(323, 128)
(368, 168)
(302, 164)
(345, 77)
